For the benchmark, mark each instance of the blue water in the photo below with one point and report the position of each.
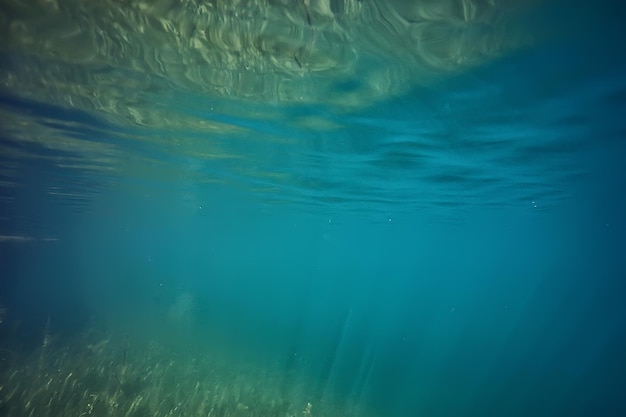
(454, 247)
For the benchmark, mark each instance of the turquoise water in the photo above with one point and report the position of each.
(318, 208)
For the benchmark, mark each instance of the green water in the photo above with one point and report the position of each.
(312, 208)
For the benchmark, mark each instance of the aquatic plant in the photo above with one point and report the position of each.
(101, 375)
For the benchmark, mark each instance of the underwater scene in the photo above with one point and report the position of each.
(312, 208)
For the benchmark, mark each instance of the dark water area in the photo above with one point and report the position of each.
(337, 227)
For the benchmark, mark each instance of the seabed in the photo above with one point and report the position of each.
(99, 375)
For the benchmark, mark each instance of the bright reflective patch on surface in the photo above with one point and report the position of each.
(131, 59)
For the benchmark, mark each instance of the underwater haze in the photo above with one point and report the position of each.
(312, 208)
